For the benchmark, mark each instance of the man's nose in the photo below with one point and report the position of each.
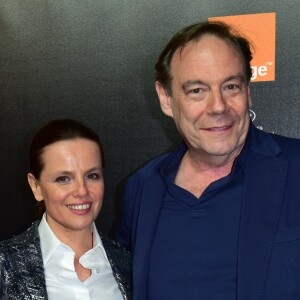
(216, 103)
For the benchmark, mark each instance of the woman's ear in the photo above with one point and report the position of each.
(35, 187)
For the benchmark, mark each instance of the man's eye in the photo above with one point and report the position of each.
(197, 91)
(232, 86)
(62, 179)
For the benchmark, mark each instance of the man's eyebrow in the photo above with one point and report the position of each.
(187, 85)
(240, 77)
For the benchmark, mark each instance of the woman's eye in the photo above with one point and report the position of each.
(94, 176)
(62, 179)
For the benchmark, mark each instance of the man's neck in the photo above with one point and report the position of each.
(196, 175)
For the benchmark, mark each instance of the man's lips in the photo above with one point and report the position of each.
(218, 128)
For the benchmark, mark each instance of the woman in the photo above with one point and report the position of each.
(63, 256)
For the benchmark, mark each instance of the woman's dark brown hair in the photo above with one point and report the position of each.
(55, 131)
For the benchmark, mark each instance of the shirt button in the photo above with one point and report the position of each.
(97, 270)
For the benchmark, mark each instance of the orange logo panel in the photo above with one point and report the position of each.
(260, 30)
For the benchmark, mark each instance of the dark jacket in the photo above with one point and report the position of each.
(22, 272)
(268, 262)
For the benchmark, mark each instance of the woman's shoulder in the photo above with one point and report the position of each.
(113, 247)
(118, 256)
(21, 242)
(120, 260)
(21, 266)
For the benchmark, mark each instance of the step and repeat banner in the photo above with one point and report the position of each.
(94, 61)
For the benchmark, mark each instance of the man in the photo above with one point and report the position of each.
(218, 218)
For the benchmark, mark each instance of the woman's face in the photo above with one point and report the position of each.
(71, 184)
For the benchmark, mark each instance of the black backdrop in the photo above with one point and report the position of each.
(94, 61)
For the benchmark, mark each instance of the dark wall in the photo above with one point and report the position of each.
(94, 61)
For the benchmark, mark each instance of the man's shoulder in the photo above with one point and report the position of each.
(150, 168)
(285, 140)
(288, 145)
(276, 144)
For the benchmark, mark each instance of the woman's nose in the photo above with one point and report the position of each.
(81, 189)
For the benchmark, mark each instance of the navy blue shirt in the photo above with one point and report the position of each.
(194, 252)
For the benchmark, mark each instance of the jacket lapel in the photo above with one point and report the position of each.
(119, 259)
(265, 181)
(152, 195)
(27, 266)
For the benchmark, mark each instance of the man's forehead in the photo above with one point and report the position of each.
(202, 48)
(207, 41)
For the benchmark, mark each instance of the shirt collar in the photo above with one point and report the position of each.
(170, 167)
(50, 243)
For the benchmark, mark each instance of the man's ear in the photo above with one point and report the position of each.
(164, 99)
(35, 187)
(249, 97)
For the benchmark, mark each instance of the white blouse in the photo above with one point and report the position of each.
(61, 278)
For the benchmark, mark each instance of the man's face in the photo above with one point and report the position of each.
(210, 97)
